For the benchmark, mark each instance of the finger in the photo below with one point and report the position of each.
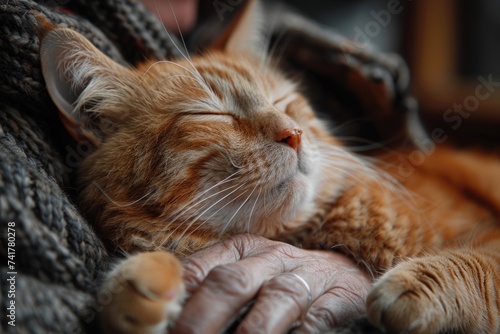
(338, 305)
(226, 289)
(198, 265)
(328, 313)
(284, 299)
(280, 303)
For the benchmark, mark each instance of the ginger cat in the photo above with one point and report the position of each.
(192, 151)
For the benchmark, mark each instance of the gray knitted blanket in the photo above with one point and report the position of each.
(50, 259)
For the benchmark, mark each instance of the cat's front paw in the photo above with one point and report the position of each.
(145, 294)
(407, 300)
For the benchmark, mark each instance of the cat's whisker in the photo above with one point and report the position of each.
(268, 55)
(213, 214)
(186, 55)
(361, 170)
(188, 205)
(205, 199)
(192, 214)
(205, 209)
(277, 59)
(166, 62)
(387, 178)
(344, 172)
(229, 158)
(370, 145)
(335, 129)
(196, 76)
(272, 48)
(193, 203)
(368, 169)
(241, 206)
(266, 40)
(118, 204)
(182, 76)
(253, 209)
(178, 29)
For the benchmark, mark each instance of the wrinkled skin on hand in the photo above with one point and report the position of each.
(224, 278)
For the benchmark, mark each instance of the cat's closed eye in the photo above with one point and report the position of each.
(211, 113)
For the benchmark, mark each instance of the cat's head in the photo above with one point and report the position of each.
(221, 142)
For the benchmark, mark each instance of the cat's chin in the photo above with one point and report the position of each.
(290, 198)
(297, 186)
(291, 184)
(293, 195)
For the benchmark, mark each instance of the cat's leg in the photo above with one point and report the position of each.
(458, 290)
(143, 294)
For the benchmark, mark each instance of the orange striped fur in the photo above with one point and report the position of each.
(223, 143)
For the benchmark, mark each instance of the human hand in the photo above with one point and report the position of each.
(225, 277)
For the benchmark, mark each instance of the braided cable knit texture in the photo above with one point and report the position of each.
(58, 256)
(123, 30)
(59, 259)
(130, 20)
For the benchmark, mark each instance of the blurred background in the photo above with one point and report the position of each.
(451, 47)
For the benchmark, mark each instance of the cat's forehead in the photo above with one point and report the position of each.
(238, 94)
(240, 85)
(234, 85)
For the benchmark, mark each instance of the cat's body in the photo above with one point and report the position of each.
(222, 144)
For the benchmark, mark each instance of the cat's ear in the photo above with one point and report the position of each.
(78, 76)
(245, 33)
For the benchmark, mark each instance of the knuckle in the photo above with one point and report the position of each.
(283, 288)
(253, 323)
(193, 273)
(233, 245)
(322, 319)
(230, 279)
(245, 244)
(284, 255)
(246, 238)
(286, 250)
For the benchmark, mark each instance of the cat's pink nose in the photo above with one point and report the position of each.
(290, 136)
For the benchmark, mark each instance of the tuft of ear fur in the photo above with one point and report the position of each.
(244, 34)
(79, 78)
